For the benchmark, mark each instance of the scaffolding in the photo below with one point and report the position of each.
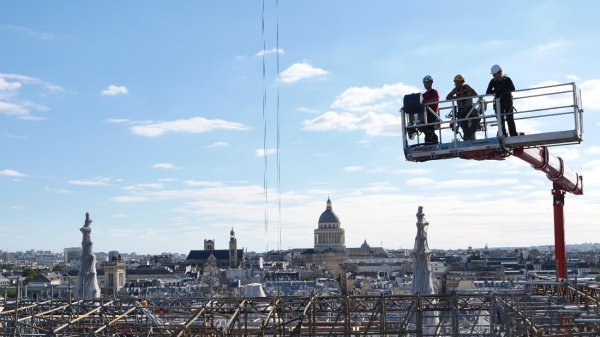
(535, 308)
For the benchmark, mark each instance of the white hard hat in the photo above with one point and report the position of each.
(496, 68)
(427, 79)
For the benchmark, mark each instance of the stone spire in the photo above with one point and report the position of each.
(87, 283)
(422, 276)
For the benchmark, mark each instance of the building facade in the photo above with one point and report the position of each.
(211, 259)
(329, 236)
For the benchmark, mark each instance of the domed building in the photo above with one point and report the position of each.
(329, 236)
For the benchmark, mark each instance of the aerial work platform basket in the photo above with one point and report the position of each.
(547, 115)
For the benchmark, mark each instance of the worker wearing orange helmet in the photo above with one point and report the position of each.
(464, 107)
(502, 87)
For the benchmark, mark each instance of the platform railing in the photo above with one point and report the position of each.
(545, 115)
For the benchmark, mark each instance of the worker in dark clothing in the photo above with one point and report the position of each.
(502, 87)
(464, 107)
(430, 95)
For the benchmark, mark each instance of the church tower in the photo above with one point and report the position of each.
(329, 235)
(233, 258)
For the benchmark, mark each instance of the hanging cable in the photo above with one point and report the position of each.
(278, 129)
(264, 116)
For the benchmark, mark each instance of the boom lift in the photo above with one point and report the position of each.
(557, 108)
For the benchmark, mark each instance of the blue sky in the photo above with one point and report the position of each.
(149, 116)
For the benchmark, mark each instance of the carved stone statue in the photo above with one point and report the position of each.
(422, 276)
(422, 282)
(87, 283)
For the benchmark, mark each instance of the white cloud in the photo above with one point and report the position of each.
(192, 125)
(130, 198)
(590, 94)
(217, 145)
(141, 187)
(97, 181)
(113, 90)
(353, 168)
(470, 183)
(419, 182)
(28, 32)
(307, 110)
(364, 108)
(12, 173)
(363, 98)
(416, 172)
(5, 85)
(56, 190)
(269, 51)
(166, 166)
(551, 45)
(379, 169)
(203, 183)
(299, 71)
(117, 121)
(573, 78)
(593, 150)
(12, 105)
(371, 123)
(261, 152)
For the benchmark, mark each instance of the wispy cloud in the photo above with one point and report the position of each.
(217, 145)
(203, 183)
(262, 152)
(269, 51)
(551, 45)
(97, 181)
(143, 187)
(56, 190)
(10, 102)
(371, 123)
(12, 173)
(359, 99)
(5, 85)
(113, 90)
(166, 166)
(300, 71)
(307, 110)
(419, 182)
(117, 121)
(352, 169)
(11, 136)
(192, 125)
(29, 32)
(590, 93)
(414, 172)
(364, 108)
(593, 150)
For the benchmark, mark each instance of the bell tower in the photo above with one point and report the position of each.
(233, 258)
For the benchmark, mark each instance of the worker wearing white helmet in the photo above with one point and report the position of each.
(430, 96)
(502, 87)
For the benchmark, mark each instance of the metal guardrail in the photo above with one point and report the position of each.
(547, 115)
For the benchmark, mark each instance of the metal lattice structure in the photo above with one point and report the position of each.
(541, 308)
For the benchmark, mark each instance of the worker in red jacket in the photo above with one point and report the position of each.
(430, 95)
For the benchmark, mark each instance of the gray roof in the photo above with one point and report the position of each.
(328, 216)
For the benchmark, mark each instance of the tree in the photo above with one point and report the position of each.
(30, 274)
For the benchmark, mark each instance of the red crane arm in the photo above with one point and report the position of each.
(540, 159)
(563, 181)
